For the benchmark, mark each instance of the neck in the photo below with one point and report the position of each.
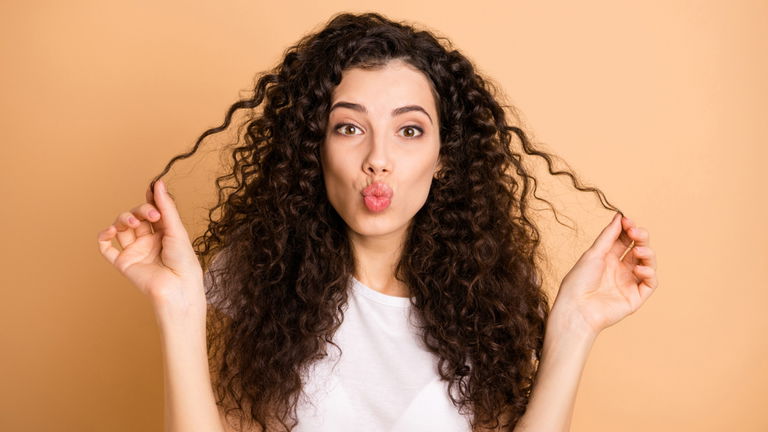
(375, 260)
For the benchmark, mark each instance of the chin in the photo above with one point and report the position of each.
(368, 224)
(371, 227)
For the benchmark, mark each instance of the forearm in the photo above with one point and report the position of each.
(565, 351)
(190, 405)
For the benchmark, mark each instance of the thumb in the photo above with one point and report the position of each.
(170, 221)
(608, 236)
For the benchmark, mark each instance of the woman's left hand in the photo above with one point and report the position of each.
(600, 290)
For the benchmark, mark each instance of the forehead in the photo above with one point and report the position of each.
(396, 83)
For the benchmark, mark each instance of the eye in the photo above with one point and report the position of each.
(346, 127)
(412, 127)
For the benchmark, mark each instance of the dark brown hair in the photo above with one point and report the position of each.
(470, 259)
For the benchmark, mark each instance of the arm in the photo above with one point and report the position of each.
(157, 256)
(190, 405)
(565, 351)
(599, 291)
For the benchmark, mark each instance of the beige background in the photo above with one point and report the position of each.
(661, 104)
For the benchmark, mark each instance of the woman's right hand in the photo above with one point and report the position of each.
(157, 256)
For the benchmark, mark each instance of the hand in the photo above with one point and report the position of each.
(600, 290)
(157, 255)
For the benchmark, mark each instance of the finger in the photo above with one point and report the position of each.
(106, 248)
(607, 238)
(639, 235)
(648, 281)
(645, 255)
(626, 225)
(157, 225)
(149, 195)
(170, 221)
(146, 211)
(146, 214)
(144, 228)
(626, 242)
(125, 222)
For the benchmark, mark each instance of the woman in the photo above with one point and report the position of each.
(377, 208)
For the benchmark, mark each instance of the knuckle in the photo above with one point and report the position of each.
(144, 209)
(124, 217)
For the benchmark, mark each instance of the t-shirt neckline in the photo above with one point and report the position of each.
(379, 297)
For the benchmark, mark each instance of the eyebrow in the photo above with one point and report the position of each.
(396, 111)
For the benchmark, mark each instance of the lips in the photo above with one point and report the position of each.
(377, 196)
(378, 189)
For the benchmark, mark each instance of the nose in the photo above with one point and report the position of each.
(377, 162)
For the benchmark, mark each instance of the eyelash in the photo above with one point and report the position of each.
(340, 125)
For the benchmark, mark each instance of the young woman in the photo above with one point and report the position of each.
(374, 264)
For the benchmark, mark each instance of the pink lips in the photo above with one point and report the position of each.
(377, 196)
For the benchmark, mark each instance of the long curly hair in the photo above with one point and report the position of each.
(277, 258)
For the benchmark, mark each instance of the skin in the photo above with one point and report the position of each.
(375, 145)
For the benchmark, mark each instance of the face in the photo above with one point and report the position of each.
(383, 135)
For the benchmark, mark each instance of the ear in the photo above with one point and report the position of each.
(438, 167)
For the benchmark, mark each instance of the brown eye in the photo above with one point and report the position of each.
(411, 134)
(347, 127)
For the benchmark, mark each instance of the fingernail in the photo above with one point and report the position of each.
(132, 220)
(153, 213)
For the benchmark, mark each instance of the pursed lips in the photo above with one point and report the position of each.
(378, 189)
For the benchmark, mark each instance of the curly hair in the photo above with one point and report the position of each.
(470, 258)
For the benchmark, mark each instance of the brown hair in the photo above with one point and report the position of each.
(470, 258)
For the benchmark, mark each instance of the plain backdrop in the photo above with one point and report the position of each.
(662, 105)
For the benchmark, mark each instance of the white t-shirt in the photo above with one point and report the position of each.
(384, 379)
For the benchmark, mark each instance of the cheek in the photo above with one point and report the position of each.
(418, 182)
(336, 175)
